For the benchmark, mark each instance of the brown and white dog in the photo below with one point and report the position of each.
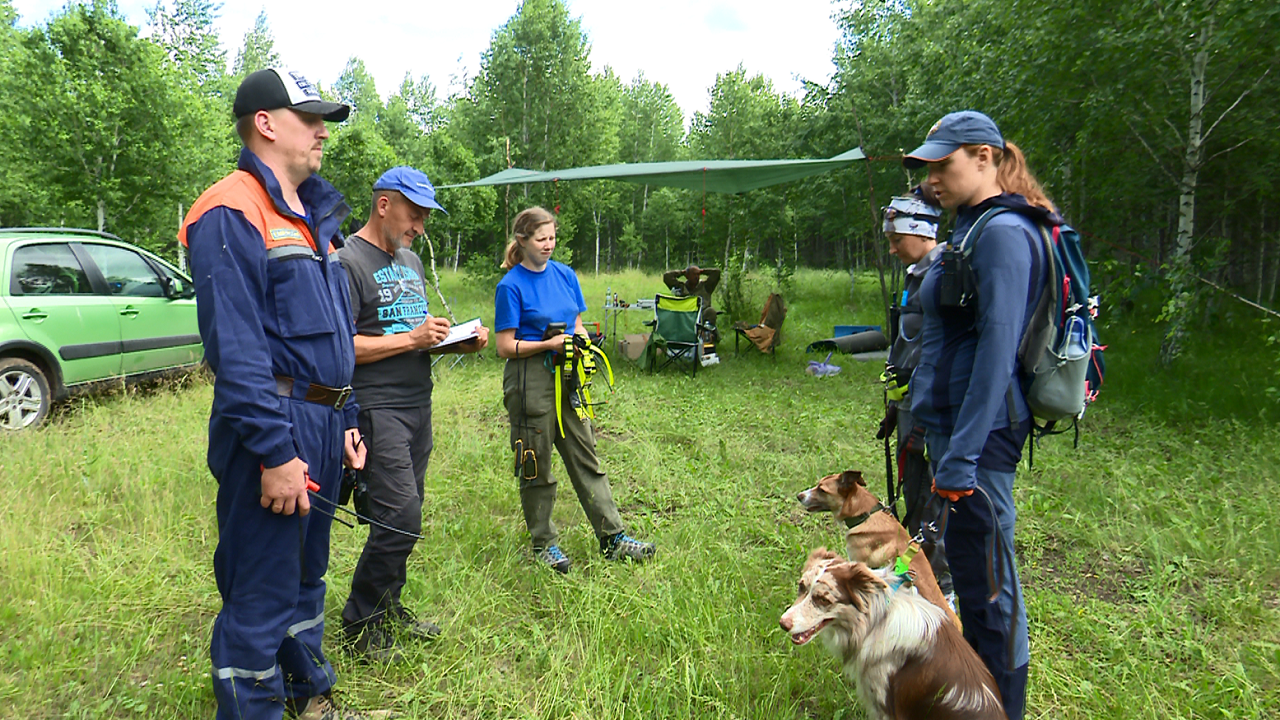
(874, 537)
(906, 660)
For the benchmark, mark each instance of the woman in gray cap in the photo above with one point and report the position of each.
(967, 392)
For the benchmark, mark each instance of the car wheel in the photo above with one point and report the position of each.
(24, 394)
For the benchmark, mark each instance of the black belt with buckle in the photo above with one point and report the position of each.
(318, 394)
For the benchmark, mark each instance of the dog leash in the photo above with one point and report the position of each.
(1003, 562)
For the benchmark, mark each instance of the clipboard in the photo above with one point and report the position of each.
(462, 332)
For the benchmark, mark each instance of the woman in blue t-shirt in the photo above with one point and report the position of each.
(536, 292)
(966, 390)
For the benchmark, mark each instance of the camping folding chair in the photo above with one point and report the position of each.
(765, 335)
(678, 333)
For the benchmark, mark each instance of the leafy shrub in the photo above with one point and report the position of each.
(483, 270)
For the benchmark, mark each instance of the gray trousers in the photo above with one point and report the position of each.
(528, 391)
(398, 445)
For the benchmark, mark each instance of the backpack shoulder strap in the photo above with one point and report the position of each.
(966, 243)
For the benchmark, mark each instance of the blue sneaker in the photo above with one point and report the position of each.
(623, 546)
(552, 556)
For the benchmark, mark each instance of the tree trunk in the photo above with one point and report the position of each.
(728, 237)
(182, 252)
(1180, 276)
(1275, 280)
(595, 215)
(102, 215)
(1262, 249)
(436, 276)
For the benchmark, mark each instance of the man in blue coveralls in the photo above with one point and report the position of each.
(275, 319)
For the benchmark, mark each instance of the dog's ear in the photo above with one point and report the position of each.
(849, 478)
(817, 556)
(857, 581)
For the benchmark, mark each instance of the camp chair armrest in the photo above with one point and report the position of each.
(650, 323)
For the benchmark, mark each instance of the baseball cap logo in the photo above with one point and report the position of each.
(304, 85)
(933, 129)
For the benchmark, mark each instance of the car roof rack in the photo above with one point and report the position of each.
(62, 230)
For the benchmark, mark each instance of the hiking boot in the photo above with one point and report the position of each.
(552, 556)
(376, 643)
(403, 619)
(623, 546)
(322, 707)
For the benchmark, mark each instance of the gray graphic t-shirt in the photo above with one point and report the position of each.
(388, 296)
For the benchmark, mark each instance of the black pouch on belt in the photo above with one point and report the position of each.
(354, 488)
(347, 486)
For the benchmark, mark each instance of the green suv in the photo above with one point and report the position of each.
(78, 308)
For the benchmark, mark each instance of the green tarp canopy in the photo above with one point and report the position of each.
(728, 176)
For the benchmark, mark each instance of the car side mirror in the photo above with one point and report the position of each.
(177, 289)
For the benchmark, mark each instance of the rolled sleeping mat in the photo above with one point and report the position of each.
(869, 341)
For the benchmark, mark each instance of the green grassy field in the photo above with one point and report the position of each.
(1148, 554)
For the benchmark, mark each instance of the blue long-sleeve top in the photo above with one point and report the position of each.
(967, 383)
(262, 317)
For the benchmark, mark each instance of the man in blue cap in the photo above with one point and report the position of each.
(395, 334)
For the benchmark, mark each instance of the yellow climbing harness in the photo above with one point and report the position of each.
(576, 366)
(895, 386)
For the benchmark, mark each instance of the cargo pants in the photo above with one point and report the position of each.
(528, 391)
(399, 443)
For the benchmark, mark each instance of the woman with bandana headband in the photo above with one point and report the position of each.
(911, 226)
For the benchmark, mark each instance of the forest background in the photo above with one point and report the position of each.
(1154, 124)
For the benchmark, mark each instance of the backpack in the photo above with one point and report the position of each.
(1060, 358)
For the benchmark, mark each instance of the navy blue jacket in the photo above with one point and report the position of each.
(968, 363)
(262, 317)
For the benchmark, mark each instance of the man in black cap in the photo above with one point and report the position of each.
(275, 319)
(395, 334)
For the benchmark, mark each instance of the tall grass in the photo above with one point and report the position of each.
(1148, 554)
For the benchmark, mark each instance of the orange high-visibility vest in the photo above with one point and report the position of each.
(241, 191)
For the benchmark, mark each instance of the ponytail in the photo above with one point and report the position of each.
(1015, 177)
(525, 225)
(513, 256)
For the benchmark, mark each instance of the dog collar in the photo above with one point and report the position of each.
(853, 522)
